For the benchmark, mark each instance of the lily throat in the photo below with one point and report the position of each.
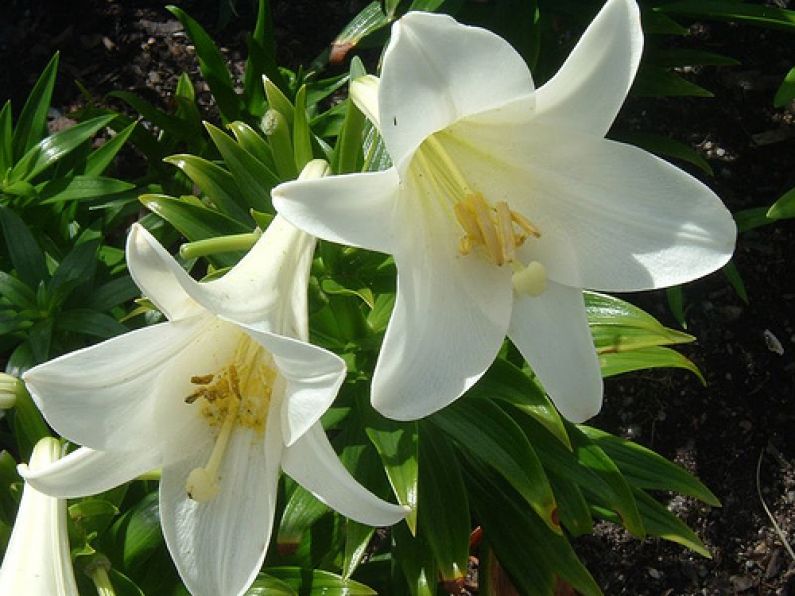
(492, 231)
(236, 396)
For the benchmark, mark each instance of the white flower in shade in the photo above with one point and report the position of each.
(220, 397)
(37, 561)
(503, 203)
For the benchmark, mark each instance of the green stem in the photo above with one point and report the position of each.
(211, 246)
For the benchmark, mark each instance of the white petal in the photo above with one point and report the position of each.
(105, 396)
(449, 321)
(611, 216)
(219, 546)
(269, 283)
(552, 333)
(588, 90)
(313, 377)
(37, 561)
(88, 472)
(159, 276)
(437, 71)
(364, 93)
(353, 209)
(313, 463)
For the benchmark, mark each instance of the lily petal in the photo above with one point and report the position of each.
(552, 333)
(449, 321)
(100, 394)
(88, 472)
(353, 209)
(313, 463)
(612, 217)
(589, 89)
(158, 275)
(436, 71)
(313, 377)
(219, 546)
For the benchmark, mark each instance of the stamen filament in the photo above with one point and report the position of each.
(487, 229)
(505, 231)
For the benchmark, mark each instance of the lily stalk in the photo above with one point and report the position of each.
(37, 561)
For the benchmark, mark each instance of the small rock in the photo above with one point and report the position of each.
(654, 573)
(772, 342)
(741, 583)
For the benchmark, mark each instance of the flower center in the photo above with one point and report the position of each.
(237, 395)
(492, 230)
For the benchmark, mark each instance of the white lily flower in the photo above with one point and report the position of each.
(504, 202)
(220, 397)
(37, 561)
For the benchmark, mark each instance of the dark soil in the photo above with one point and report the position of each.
(746, 414)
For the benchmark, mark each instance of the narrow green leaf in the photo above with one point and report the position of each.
(77, 188)
(253, 178)
(167, 123)
(643, 468)
(261, 61)
(675, 296)
(533, 555)
(137, 534)
(40, 340)
(6, 139)
(348, 150)
(253, 142)
(193, 221)
(32, 123)
(29, 426)
(89, 322)
(318, 583)
(357, 539)
(50, 149)
(215, 182)
(77, 267)
(749, 219)
(113, 293)
(654, 81)
(300, 513)
(656, 23)
(16, 291)
(278, 100)
(265, 585)
(667, 147)
(443, 509)
(784, 207)
(720, 10)
(278, 132)
(302, 136)
(575, 515)
(617, 363)
(414, 558)
(670, 57)
(786, 92)
(481, 429)
(396, 444)
(26, 256)
(99, 159)
(736, 281)
(369, 20)
(212, 65)
(661, 522)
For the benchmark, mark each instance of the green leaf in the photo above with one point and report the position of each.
(123, 585)
(278, 100)
(113, 293)
(26, 256)
(99, 159)
(212, 66)
(736, 280)
(656, 23)
(533, 555)
(482, 430)
(749, 219)
(675, 295)
(654, 81)
(277, 129)
(443, 509)
(670, 57)
(251, 141)
(302, 136)
(89, 322)
(396, 444)
(506, 382)
(6, 139)
(786, 92)
(29, 426)
(369, 20)
(40, 340)
(261, 60)
(575, 515)
(784, 207)
(667, 147)
(253, 178)
(348, 150)
(720, 10)
(414, 558)
(643, 468)
(661, 522)
(300, 513)
(357, 539)
(50, 149)
(16, 291)
(77, 267)
(75, 188)
(318, 583)
(265, 585)
(215, 182)
(32, 123)
(167, 123)
(617, 363)
(137, 533)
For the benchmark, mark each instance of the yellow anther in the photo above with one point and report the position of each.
(525, 224)
(505, 231)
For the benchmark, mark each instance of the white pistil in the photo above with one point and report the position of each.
(203, 483)
(530, 280)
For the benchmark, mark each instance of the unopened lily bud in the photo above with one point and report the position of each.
(10, 386)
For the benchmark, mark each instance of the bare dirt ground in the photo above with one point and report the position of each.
(746, 350)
